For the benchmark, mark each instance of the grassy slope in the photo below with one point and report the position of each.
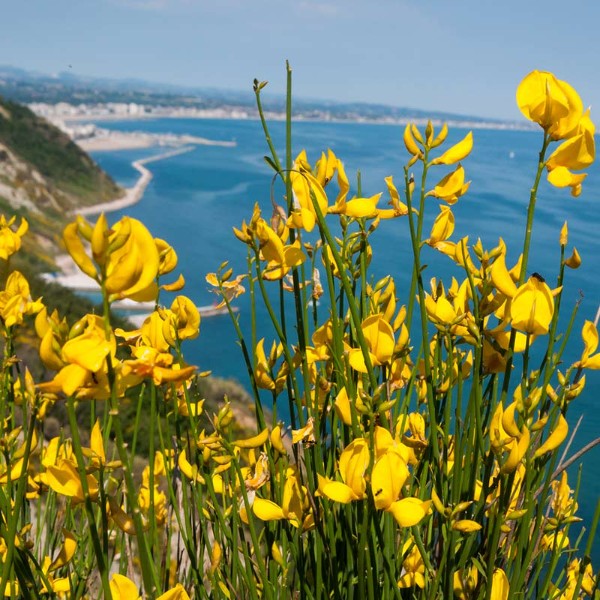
(54, 155)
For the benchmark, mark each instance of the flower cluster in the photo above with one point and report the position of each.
(406, 443)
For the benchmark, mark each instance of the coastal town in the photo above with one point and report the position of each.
(79, 121)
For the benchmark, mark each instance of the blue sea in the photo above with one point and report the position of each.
(196, 198)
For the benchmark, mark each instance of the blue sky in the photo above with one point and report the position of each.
(461, 56)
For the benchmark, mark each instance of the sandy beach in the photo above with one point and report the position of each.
(109, 140)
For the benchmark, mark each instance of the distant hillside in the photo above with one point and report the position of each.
(70, 175)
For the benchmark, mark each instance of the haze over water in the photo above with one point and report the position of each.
(196, 198)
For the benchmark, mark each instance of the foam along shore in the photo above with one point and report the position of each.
(134, 194)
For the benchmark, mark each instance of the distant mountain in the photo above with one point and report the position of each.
(28, 87)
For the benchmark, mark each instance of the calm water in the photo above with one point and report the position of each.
(196, 198)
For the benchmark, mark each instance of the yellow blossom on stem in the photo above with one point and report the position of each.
(149, 362)
(126, 256)
(465, 582)
(550, 102)
(10, 241)
(451, 187)
(177, 593)
(228, 290)
(353, 465)
(305, 186)
(532, 307)
(379, 336)
(183, 321)
(294, 503)
(589, 360)
(413, 567)
(398, 209)
(122, 588)
(443, 227)
(500, 585)
(457, 152)
(63, 478)
(16, 301)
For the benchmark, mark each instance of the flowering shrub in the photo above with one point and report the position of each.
(423, 456)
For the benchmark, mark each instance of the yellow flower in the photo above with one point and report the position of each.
(83, 359)
(551, 103)
(555, 439)
(500, 585)
(390, 472)
(293, 506)
(379, 336)
(326, 167)
(53, 333)
(451, 187)
(306, 187)
(183, 321)
(63, 478)
(563, 505)
(413, 567)
(123, 588)
(576, 153)
(358, 208)
(532, 307)
(10, 241)
(443, 227)
(227, 289)
(126, 256)
(353, 465)
(398, 209)
(589, 360)
(177, 593)
(465, 582)
(457, 152)
(149, 362)
(16, 301)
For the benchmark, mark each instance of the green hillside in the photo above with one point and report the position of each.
(66, 168)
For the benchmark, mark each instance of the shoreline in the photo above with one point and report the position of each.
(107, 140)
(277, 116)
(133, 194)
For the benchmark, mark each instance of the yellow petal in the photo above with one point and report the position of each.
(500, 585)
(555, 439)
(362, 207)
(409, 511)
(66, 552)
(123, 588)
(574, 261)
(466, 526)
(457, 152)
(409, 142)
(389, 474)
(450, 187)
(266, 510)
(75, 248)
(338, 492)
(443, 226)
(532, 307)
(177, 593)
(517, 453)
(255, 441)
(501, 277)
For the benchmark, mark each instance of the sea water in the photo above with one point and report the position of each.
(196, 198)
